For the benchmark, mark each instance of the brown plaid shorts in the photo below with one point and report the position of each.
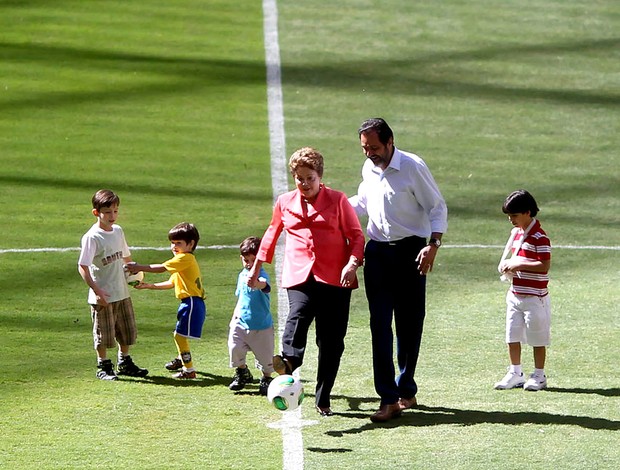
(114, 323)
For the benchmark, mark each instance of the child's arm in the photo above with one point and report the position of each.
(157, 286)
(518, 263)
(261, 284)
(134, 267)
(254, 273)
(88, 279)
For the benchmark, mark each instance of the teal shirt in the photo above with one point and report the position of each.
(253, 305)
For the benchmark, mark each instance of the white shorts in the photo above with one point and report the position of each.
(528, 319)
(260, 342)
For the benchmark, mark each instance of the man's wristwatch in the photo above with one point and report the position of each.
(435, 242)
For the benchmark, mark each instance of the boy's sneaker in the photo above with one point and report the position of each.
(263, 385)
(185, 374)
(535, 383)
(510, 380)
(174, 364)
(242, 377)
(128, 367)
(106, 370)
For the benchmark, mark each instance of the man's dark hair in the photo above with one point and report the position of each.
(379, 126)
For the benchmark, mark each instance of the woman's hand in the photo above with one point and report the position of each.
(348, 275)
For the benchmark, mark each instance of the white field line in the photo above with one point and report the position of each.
(132, 248)
(291, 422)
(279, 254)
(553, 247)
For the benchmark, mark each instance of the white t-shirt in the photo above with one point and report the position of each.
(103, 252)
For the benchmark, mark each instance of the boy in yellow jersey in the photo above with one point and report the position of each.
(186, 280)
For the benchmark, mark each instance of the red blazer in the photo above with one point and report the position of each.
(320, 237)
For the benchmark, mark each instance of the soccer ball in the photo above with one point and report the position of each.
(134, 279)
(285, 393)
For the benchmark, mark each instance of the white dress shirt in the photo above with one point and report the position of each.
(401, 201)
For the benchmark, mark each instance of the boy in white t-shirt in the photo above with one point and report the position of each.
(104, 252)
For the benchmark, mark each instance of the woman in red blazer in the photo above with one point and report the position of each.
(324, 248)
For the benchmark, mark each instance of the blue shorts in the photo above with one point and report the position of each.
(190, 317)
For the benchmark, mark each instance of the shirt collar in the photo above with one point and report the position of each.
(323, 200)
(394, 163)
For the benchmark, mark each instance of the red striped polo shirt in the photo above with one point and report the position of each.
(535, 247)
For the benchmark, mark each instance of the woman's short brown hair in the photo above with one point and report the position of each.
(306, 157)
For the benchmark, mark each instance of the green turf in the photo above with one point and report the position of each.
(494, 97)
(166, 104)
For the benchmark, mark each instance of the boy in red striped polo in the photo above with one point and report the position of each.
(528, 312)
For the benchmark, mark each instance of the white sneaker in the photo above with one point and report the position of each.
(535, 383)
(510, 380)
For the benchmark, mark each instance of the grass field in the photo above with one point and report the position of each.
(166, 104)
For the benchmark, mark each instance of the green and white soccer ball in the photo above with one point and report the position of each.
(285, 393)
(134, 279)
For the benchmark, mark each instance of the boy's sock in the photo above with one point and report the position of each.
(122, 357)
(516, 369)
(186, 359)
(184, 353)
(539, 372)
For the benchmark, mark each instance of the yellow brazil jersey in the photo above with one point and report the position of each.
(185, 275)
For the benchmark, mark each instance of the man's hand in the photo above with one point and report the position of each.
(426, 258)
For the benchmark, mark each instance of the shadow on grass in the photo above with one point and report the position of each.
(322, 450)
(204, 380)
(241, 194)
(436, 74)
(436, 415)
(605, 392)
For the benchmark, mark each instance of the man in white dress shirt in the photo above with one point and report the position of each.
(404, 207)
